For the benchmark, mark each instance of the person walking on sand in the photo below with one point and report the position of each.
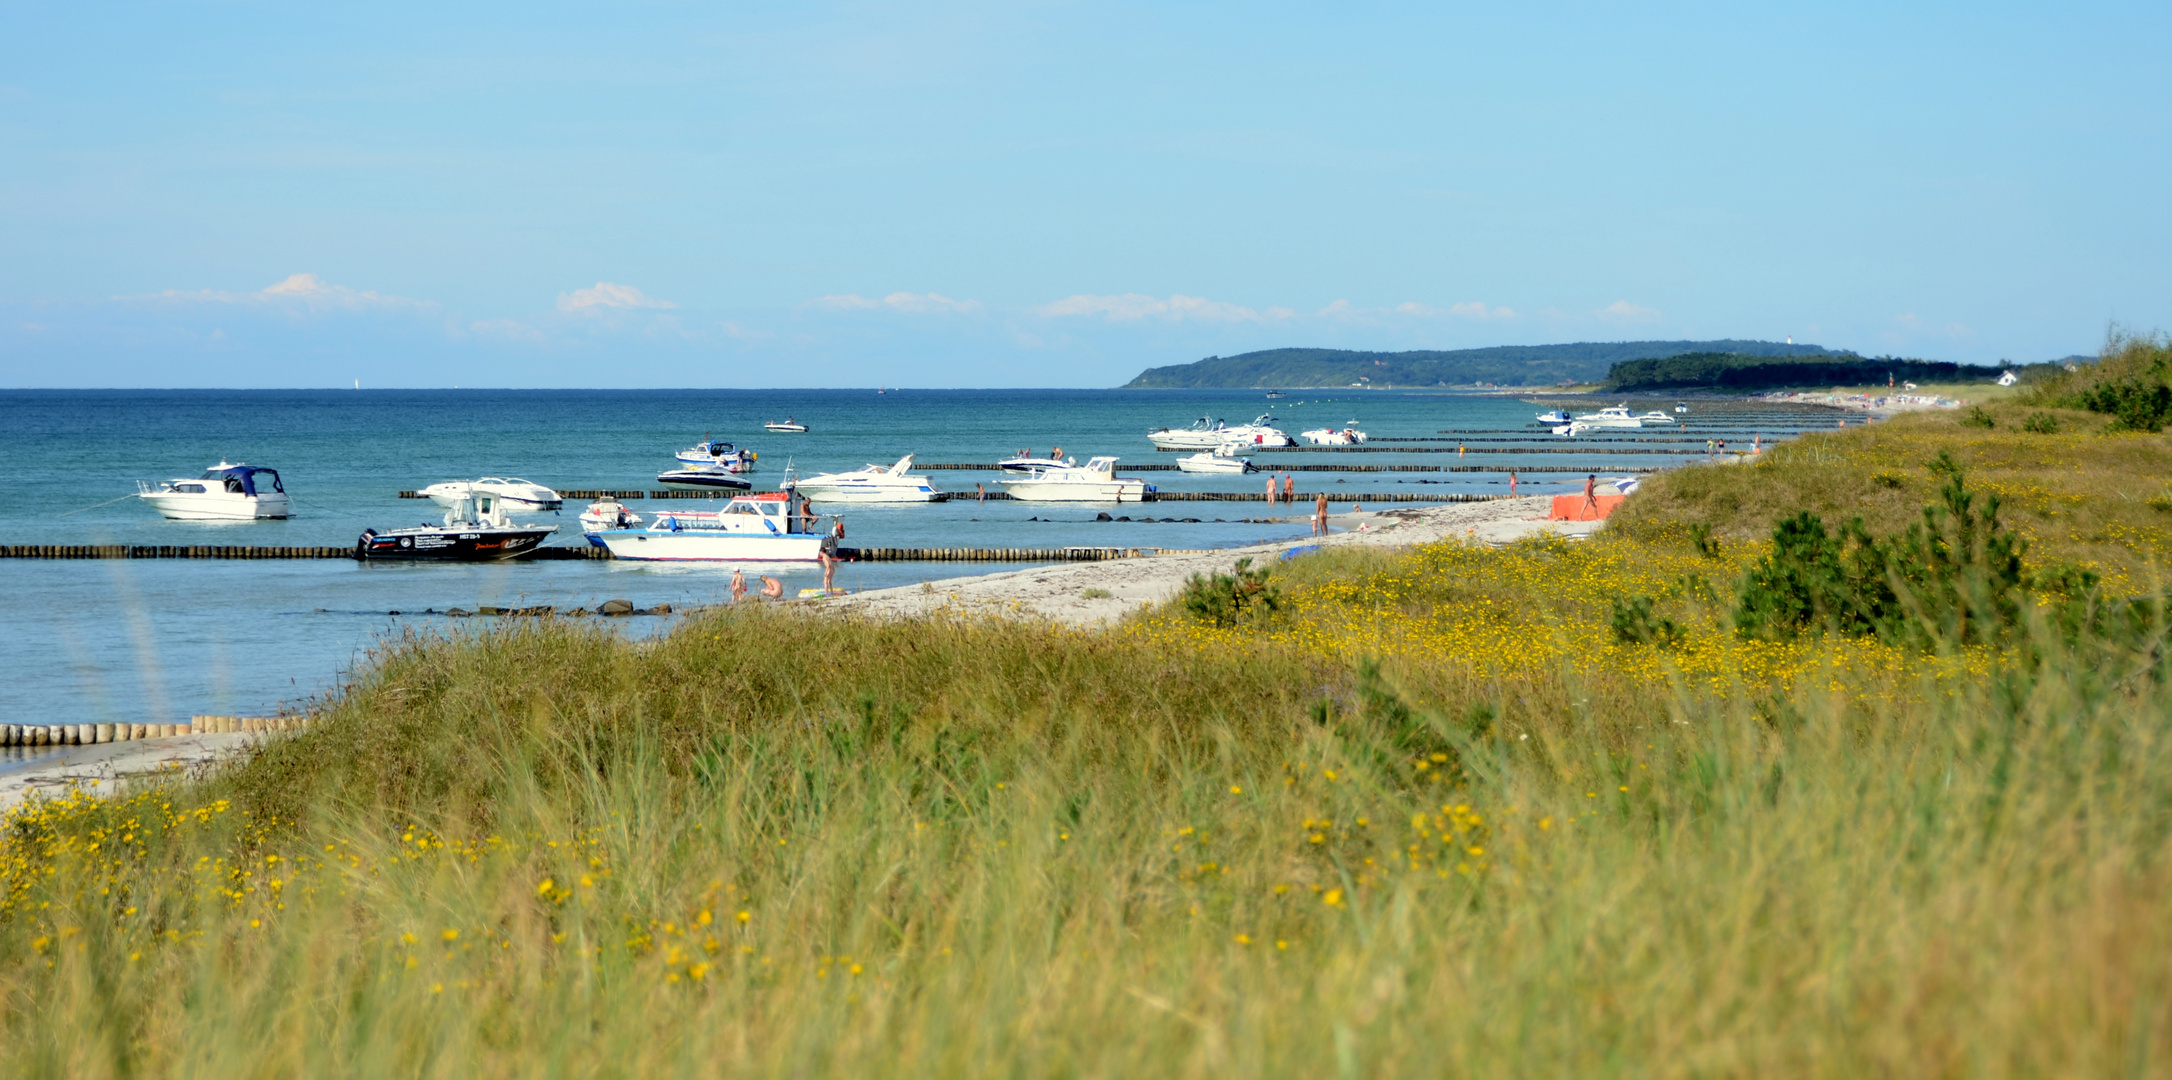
(739, 585)
(1319, 516)
(772, 589)
(829, 573)
(1591, 494)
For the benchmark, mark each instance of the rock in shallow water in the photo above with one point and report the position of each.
(616, 607)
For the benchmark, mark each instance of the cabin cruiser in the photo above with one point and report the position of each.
(1226, 458)
(513, 493)
(606, 513)
(702, 478)
(225, 492)
(1613, 416)
(1655, 417)
(1273, 395)
(787, 424)
(1025, 462)
(1095, 481)
(1260, 432)
(1555, 416)
(475, 530)
(1681, 407)
(764, 528)
(874, 483)
(721, 454)
(1204, 434)
(1349, 435)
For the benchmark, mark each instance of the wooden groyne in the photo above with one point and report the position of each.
(93, 734)
(1062, 554)
(230, 551)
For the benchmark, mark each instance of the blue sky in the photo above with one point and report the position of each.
(1055, 194)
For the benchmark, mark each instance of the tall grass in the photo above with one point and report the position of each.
(784, 845)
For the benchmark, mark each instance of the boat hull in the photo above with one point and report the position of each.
(1186, 440)
(868, 493)
(450, 545)
(1102, 491)
(690, 480)
(1226, 466)
(216, 506)
(641, 545)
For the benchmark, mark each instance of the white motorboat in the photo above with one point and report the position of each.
(1681, 407)
(787, 424)
(1204, 434)
(513, 493)
(1226, 458)
(702, 478)
(1260, 432)
(604, 514)
(873, 483)
(1025, 462)
(1095, 481)
(225, 492)
(1274, 395)
(1655, 417)
(1555, 416)
(1347, 435)
(475, 530)
(721, 454)
(764, 528)
(1613, 416)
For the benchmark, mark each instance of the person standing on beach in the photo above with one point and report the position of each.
(1319, 516)
(739, 585)
(829, 572)
(1511, 485)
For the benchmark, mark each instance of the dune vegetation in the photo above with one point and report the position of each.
(1555, 809)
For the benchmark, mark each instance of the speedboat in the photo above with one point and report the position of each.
(874, 483)
(1273, 394)
(1349, 435)
(761, 528)
(1204, 434)
(1655, 417)
(1260, 432)
(606, 513)
(1095, 481)
(1226, 458)
(787, 424)
(721, 454)
(225, 492)
(1025, 462)
(703, 478)
(1613, 416)
(1555, 416)
(513, 493)
(475, 530)
(1681, 407)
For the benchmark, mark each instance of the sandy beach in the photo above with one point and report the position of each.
(1056, 591)
(110, 764)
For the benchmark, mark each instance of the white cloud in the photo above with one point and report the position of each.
(298, 290)
(1344, 309)
(1624, 311)
(1132, 307)
(908, 303)
(606, 296)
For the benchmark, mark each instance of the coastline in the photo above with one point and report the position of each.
(112, 763)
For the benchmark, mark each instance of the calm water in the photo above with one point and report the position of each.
(159, 640)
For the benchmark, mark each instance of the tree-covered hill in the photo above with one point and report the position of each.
(1507, 365)
(1714, 370)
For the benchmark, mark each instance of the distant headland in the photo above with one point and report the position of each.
(1501, 365)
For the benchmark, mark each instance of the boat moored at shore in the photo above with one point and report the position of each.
(1095, 481)
(513, 493)
(225, 492)
(763, 528)
(872, 483)
(475, 530)
(703, 478)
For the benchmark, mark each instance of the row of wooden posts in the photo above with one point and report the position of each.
(92, 734)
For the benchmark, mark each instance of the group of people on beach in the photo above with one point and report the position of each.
(773, 589)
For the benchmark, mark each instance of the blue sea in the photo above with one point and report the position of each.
(159, 640)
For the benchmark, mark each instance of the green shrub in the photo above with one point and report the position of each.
(1976, 417)
(2132, 404)
(1635, 624)
(1227, 599)
(1096, 593)
(2041, 423)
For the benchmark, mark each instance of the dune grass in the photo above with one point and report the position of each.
(1429, 816)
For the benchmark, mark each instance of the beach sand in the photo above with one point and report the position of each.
(112, 763)
(1055, 591)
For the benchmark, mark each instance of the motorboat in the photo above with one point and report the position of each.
(873, 483)
(1204, 434)
(1095, 481)
(1260, 432)
(721, 454)
(475, 530)
(1681, 407)
(1555, 416)
(1226, 458)
(1347, 435)
(763, 528)
(1025, 462)
(513, 493)
(1655, 417)
(1613, 416)
(603, 514)
(1273, 395)
(225, 492)
(703, 478)
(787, 424)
